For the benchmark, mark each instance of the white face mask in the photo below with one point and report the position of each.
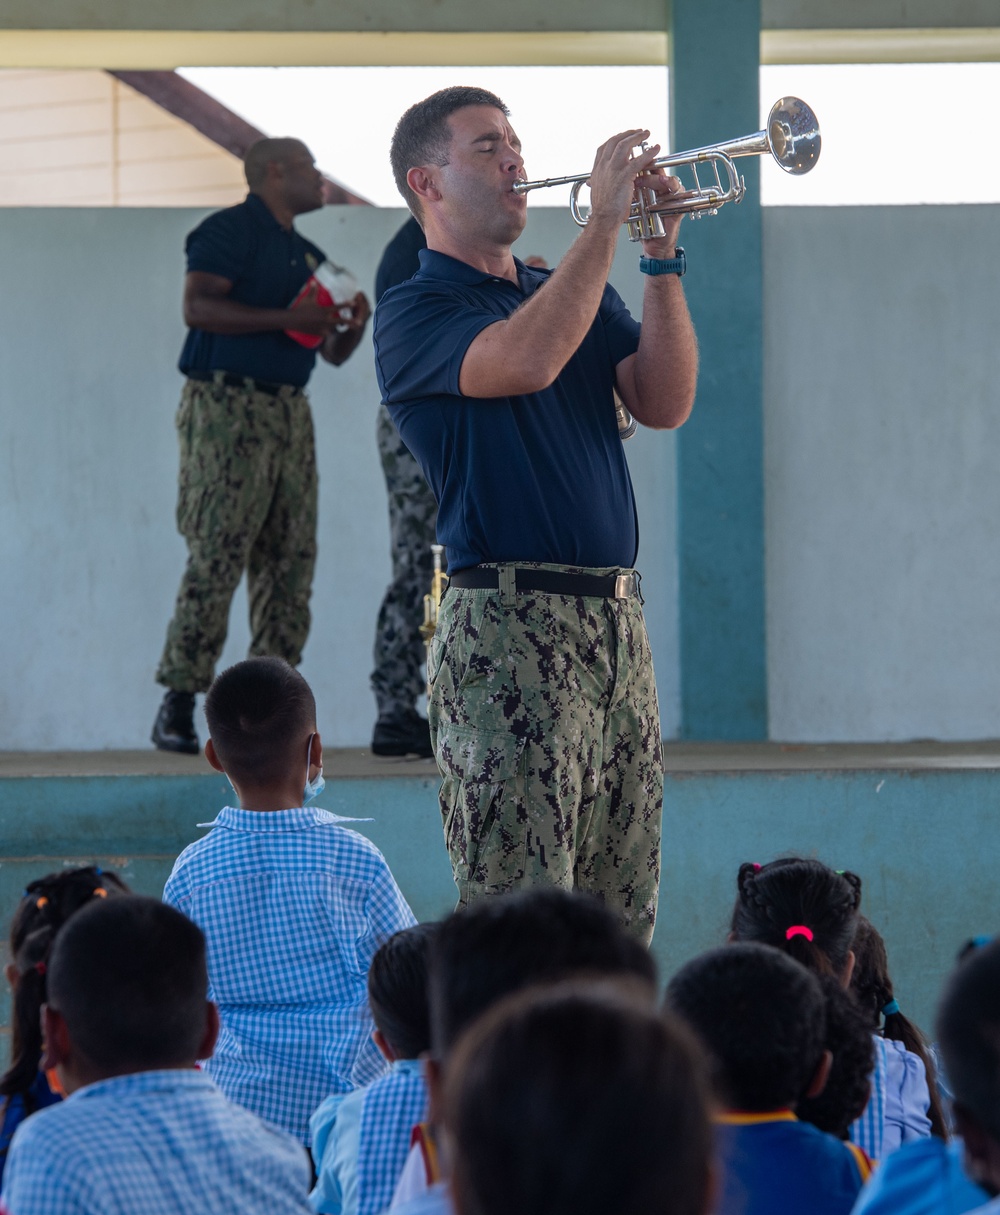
(313, 787)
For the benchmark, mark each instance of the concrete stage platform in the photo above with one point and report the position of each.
(920, 822)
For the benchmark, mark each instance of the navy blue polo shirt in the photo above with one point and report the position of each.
(541, 477)
(268, 266)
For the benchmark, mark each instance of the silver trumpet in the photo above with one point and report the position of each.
(791, 136)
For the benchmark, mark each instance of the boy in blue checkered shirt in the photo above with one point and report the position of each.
(360, 1141)
(141, 1129)
(294, 906)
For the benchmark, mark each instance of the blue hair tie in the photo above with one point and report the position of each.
(890, 1009)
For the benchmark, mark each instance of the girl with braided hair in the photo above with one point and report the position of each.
(872, 987)
(811, 912)
(46, 905)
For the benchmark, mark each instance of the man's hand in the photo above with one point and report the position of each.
(340, 345)
(665, 187)
(612, 179)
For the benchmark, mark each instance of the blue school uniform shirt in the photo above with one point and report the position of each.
(772, 1164)
(293, 907)
(19, 1106)
(360, 1141)
(159, 1143)
(896, 1112)
(924, 1177)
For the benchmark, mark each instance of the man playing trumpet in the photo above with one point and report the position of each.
(500, 378)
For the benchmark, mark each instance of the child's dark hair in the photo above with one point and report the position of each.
(762, 1018)
(497, 946)
(397, 990)
(801, 907)
(873, 987)
(130, 979)
(260, 713)
(968, 1032)
(578, 1099)
(848, 1087)
(47, 903)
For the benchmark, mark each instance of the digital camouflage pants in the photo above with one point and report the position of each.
(546, 729)
(246, 501)
(399, 677)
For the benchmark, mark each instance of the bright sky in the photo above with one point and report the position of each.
(892, 133)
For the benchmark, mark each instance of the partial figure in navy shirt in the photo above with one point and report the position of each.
(501, 379)
(247, 493)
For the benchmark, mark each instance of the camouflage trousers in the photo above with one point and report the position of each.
(246, 501)
(546, 729)
(399, 677)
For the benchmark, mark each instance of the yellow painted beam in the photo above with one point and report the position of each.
(166, 49)
(981, 45)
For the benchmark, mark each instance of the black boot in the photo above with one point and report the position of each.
(404, 732)
(173, 729)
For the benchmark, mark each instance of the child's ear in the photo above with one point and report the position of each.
(435, 1088)
(316, 751)
(10, 973)
(57, 1048)
(211, 756)
(821, 1075)
(384, 1046)
(211, 1029)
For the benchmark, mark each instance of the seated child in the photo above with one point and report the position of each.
(47, 904)
(910, 1078)
(360, 1141)
(761, 1017)
(141, 1130)
(293, 905)
(849, 1040)
(968, 1032)
(809, 911)
(578, 1099)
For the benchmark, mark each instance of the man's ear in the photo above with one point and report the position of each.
(212, 757)
(57, 1049)
(422, 183)
(821, 1075)
(211, 1031)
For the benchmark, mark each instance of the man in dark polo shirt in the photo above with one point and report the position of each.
(501, 380)
(247, 494)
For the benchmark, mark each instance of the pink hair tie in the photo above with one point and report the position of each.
(756, 867)
(799, 930)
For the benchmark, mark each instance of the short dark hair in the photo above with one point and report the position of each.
(578, 1099)
(762, 1019)
(130, 979)
(848, 1087)
(799, 893)
(422, 136)
(397, 990)
(47, 903)
(260, 713)
(968, 1031)
(500, 945)
(267, 151)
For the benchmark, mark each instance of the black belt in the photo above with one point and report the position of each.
(239, 381)
(548, 582)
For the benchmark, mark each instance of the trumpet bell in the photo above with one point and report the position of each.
(793, 136)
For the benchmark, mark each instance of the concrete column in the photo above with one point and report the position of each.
(714, 73)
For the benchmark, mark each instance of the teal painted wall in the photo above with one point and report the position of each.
(924, 845)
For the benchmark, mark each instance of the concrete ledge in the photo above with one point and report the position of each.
(919, 822)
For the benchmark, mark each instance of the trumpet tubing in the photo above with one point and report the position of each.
(792, 138)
